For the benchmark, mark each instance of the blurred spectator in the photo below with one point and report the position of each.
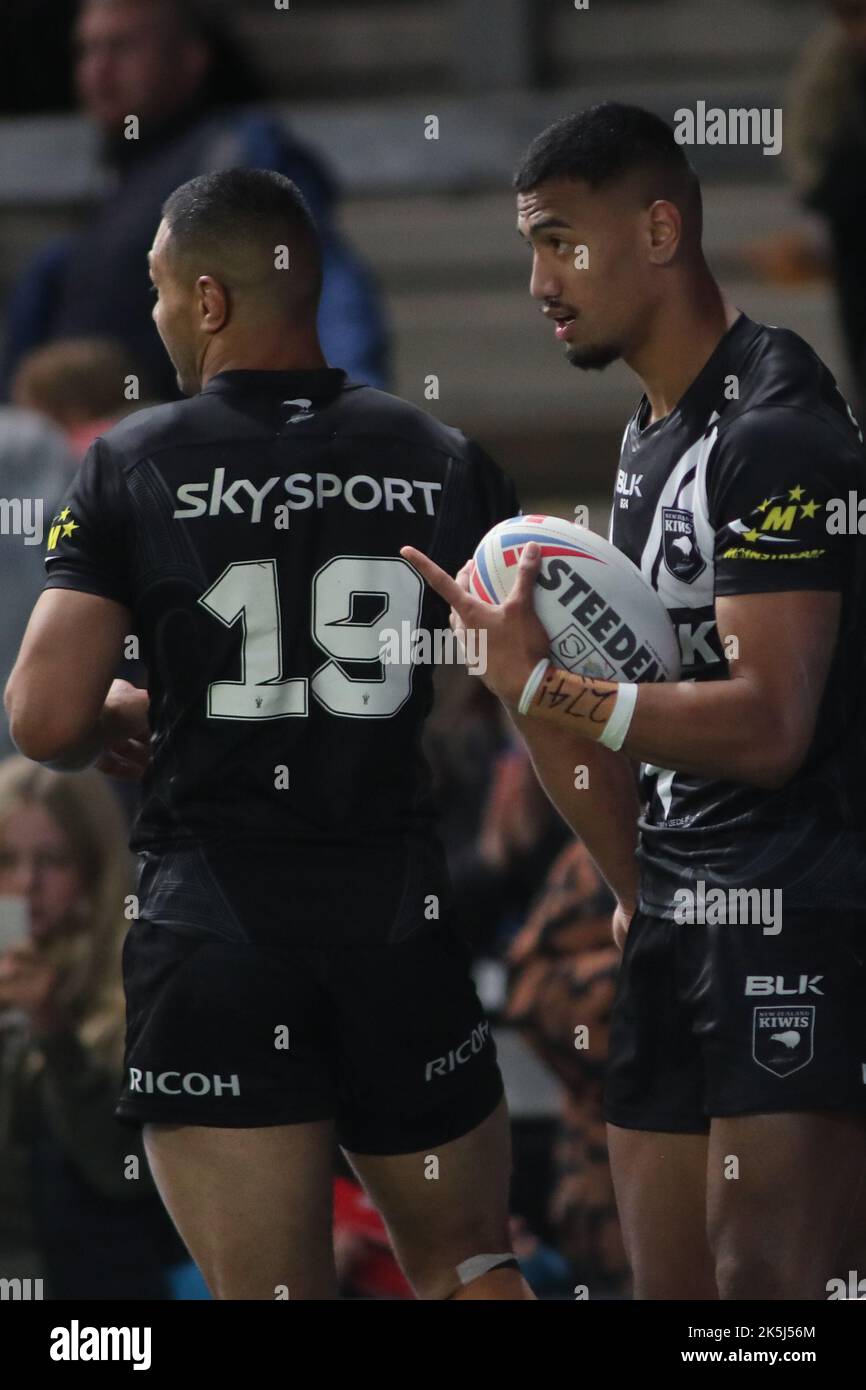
(500, 832)
(519, 835)
(35, 468)
(160, 61)
(825, 143)
(81, 385)
(563, 978)
(72, 1210)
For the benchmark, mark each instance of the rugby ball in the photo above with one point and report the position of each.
(602, 617)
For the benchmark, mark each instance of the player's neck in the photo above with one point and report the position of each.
(685, 333)
(302, 354)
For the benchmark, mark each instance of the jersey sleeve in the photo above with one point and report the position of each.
(494, 496)
(477, 495)
(88, 538)
(774, 487)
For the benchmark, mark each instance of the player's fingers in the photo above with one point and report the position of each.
(136, 750)
(455, 622)
(463, 576)
(113, 765)
(132, 752)
(527, 570)
(443, 584)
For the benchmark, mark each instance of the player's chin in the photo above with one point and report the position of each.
(593, 357)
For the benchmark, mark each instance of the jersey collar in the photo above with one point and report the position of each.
(323, 381)
(703, 391)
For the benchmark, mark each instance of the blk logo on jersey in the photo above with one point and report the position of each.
(783, 1039)
(775, 984)
(679, 546)
(628, 486)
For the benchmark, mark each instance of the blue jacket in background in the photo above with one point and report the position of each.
(95, 282)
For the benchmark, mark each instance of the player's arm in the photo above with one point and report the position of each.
(63, 708)
(754, 728)
(594, 790)
(601, 805)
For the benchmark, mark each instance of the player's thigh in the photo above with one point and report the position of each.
(785, 1034)
(660, 1185)
(445, 1205)
(252, 1205)
(654, 1094)
(781, 1188)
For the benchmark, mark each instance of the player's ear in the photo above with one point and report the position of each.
(213, 304)
(665, 231)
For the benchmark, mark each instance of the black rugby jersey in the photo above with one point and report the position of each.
(748, 486)
(254, 533)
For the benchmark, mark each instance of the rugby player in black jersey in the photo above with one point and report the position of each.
(736, 1087)
(293, 974)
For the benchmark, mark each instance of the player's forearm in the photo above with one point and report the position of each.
(720, 729)
(594, 791)
(39, 732)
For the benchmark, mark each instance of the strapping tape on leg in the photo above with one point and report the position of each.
(478, 1265)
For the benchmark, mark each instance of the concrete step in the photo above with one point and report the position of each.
(391, 47)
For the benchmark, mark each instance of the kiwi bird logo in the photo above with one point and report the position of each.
(680, 550)
(783, 1043)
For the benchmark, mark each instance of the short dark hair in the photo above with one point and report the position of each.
(599, 145)
(236, 207)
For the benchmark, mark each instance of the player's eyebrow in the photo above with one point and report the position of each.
(546, 224)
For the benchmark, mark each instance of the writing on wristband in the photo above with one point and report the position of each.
(602, 709)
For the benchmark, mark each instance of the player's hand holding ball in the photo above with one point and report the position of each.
(515, 638)
(544, 589)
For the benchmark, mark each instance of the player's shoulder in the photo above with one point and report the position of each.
(371, 411)
(784, 397)
(144, 432)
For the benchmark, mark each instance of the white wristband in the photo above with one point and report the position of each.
(617, 726)
(531, 687)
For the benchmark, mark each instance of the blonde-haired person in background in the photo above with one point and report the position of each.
(70, 1212)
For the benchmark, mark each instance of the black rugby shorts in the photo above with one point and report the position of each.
(248, 1006)
(727, 1020)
